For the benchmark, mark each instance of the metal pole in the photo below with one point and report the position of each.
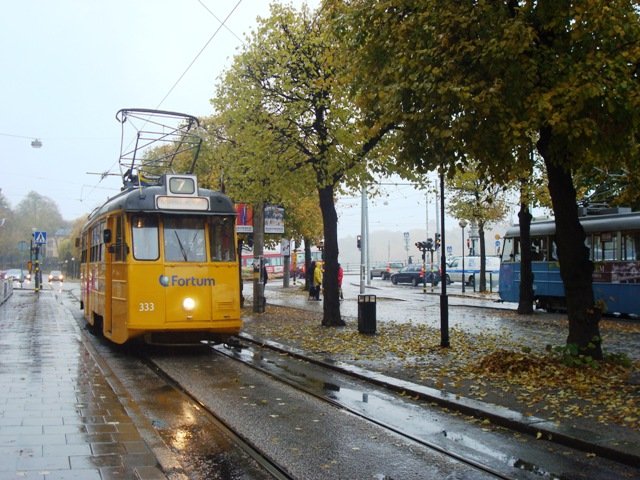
(444, 300)
(426, 202)
(363, 238)
(463, 276)
(367, 242)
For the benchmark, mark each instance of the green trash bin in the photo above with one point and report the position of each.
(367, 314)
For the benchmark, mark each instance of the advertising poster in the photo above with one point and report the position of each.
(244, 220)
(273, 219)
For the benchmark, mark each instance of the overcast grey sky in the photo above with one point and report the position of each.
(69, 65)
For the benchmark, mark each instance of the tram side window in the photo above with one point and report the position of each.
(119, 245)
(554, 249)
(184, 239)
(604, 247)
(95, 252)
(539, 249)
(631, 246)
(144, 233)
(222, 239)
(83, 255)
(510, 250)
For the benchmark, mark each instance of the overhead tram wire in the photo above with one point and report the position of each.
(222, 24)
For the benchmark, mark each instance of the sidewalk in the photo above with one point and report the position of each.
(59, 416)
(290, 332)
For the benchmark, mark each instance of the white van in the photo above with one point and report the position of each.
(472, 269)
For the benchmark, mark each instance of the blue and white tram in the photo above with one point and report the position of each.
(614, 244)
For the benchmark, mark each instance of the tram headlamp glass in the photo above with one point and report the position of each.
(188, 304)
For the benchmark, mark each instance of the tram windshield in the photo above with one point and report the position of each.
(145, 238)
(184, 239)
(222, 239)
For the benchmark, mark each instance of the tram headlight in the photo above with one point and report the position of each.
(188, 304)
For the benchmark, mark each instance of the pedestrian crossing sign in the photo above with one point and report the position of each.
(40, 238)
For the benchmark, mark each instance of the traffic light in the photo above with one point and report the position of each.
(429, 244)
(359, 241)
(424, 246)
(437, 241)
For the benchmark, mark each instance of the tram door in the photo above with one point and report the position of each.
(116, 276)
(108, 248)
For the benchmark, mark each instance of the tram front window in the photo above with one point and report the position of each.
(222, 239)
(184, 239)
(145, 238)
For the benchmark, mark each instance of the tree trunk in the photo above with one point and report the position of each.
(258, 252)
(525, 301)
(575, 267)
(331, 302)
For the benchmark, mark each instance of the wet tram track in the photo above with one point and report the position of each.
(301, 459)
(499, 451)
(200, 395)
(484, 452)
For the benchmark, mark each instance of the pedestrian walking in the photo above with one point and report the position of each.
(317, 280)
(340, 277)
(310, 274)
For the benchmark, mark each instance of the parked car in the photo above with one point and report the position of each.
(56, 276)
(414, 274)
(377, 270)
(386, 271)
(471, 269)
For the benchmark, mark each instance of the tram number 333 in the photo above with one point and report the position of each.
(146, 307)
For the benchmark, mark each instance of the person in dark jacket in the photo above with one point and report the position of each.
(312, 289)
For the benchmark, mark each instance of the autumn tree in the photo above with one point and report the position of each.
(477, 198)
(481, 78)
(280, 100)
(606, 187)
(226, 162)
(8, 235)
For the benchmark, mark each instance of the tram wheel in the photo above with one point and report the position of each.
(96, 328)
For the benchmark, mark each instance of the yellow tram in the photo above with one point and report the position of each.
(159, 263)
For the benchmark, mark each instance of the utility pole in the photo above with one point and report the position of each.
(364, 241)
(444, 299)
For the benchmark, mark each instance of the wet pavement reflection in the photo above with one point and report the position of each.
(500, 449)
(59, 418)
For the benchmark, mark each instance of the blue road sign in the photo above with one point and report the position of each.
(40, 238)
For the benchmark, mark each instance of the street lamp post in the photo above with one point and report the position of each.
(463, 224)
(444, 299)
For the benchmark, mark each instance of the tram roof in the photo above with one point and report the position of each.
(143, 200)
(591, 223)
